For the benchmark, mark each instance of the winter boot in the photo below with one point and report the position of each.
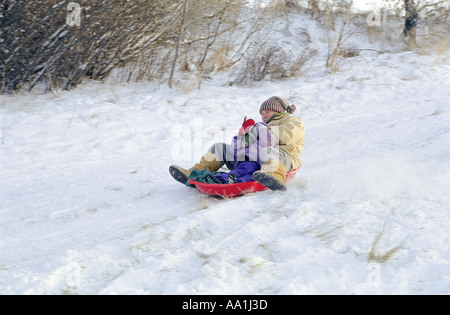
(272, 175)
(209, 161)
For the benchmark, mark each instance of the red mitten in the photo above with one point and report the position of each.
(246, 126)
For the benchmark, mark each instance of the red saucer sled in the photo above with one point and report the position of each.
(234, 190)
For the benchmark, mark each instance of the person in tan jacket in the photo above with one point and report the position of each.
(275, 161)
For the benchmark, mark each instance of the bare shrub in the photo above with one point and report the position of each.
(215, 37)
(336, 20)
(142, 40)
(218, 30)
(40, 47)
(263, 61)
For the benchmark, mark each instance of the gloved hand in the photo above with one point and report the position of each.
(247, 136)
(246, 126)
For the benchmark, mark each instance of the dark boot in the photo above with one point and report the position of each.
(272, 175)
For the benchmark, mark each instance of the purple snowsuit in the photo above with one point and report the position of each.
(246, 150)
(259, 137)
(243, 171)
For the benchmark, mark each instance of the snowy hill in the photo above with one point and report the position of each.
(88, 207)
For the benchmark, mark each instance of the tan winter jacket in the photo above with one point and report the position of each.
(290, 131)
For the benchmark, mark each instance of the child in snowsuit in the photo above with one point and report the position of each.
(275, 162)
(252, 138)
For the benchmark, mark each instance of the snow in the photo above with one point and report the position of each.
(88, 206)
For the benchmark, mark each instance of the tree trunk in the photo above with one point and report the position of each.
(411, 18)
(180, 35)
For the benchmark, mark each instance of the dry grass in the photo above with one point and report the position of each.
(375, 256)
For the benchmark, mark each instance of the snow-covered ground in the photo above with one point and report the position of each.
(87, 205)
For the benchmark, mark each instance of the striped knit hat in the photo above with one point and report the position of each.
(277, 104)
